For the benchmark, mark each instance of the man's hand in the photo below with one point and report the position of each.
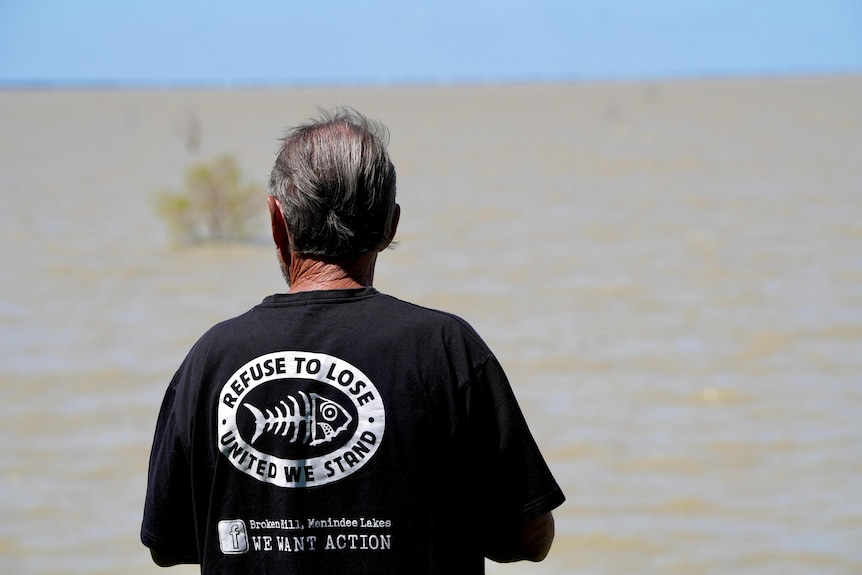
(531, 542)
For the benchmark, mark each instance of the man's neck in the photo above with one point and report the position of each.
(311, 274)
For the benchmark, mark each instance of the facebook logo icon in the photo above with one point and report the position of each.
(232, 535)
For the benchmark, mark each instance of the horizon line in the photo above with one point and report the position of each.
(418, 82)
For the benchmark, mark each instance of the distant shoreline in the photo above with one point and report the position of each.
(114, 86)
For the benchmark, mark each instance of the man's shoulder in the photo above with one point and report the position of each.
(425, 315)
(383, 315)
(226, 331)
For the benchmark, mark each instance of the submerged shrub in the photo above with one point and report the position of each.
(215, 205)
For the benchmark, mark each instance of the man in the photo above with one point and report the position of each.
(335, 429)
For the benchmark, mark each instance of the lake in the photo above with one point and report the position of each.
(670, 272)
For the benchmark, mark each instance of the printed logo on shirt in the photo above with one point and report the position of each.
(232, 537)
(298, 419)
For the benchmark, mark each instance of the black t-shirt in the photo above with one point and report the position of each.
(341, 431)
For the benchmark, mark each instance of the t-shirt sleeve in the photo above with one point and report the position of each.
(516, 484)
(168, 523)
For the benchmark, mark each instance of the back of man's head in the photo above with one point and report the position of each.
(336, 185)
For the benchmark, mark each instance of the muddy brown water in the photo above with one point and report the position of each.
(671, 274)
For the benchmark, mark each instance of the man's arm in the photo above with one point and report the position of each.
(531, 541)
(167, 559)
(168, 526)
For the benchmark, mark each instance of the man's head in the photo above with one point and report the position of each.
(336, 186)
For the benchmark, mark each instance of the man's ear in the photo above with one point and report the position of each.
(396, 217)
(279, 227)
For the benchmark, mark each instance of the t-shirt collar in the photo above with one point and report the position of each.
(319, 296)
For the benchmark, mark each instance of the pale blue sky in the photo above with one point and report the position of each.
(320, 42)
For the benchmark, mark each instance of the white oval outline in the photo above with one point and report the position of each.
(371, 417)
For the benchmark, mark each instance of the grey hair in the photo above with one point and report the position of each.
(336, 185)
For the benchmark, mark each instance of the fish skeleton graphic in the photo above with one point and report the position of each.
(316, 415)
